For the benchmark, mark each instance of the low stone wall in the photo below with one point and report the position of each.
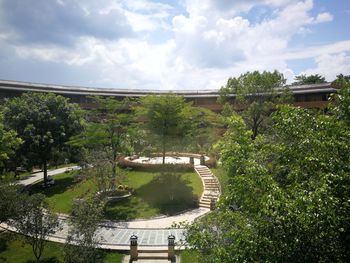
(123, 162)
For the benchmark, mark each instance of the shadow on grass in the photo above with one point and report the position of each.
(4, 237)
(61, 185)
(166, 194)
(45, 260)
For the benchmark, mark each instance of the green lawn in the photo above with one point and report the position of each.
(154, 195)
(13, 250)
(61, 195)
(157, 195)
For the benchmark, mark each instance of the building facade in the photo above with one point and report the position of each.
(306, 96)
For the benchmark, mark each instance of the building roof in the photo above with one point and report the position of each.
(88, 91)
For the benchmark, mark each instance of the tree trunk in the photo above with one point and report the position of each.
(114, 171)
(45, 171)
(163, 146)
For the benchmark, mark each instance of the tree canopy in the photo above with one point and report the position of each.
(166, 118)
(255, 96)
(311, 79)
(44, 122)
(287, 199)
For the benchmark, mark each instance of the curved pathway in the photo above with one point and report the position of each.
(152, 233)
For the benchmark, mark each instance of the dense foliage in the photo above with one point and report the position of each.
(289, 191)
(8, 143)
(44, 122)
(311, 79)
(255, 96)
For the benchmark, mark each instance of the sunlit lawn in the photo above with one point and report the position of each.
(154, 194)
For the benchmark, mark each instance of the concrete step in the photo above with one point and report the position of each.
(158, 255)
(204, 172)
(208, 198)
(204, 205)
(211, 196)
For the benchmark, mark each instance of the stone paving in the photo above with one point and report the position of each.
(152, 233)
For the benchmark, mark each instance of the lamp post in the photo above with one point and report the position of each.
(133, 247)
(171, 246)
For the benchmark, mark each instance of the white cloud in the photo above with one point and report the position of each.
(323, 17)
(213, 41)
(331, 65)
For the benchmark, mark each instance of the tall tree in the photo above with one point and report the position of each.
(166, 118)
(36, 222)
(44, 122)
(311, 79)
(256, 95)
(108, 129)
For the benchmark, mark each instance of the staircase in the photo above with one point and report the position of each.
(211, 186)
(150, 256)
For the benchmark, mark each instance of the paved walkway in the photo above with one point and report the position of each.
(152, 233)
(34, 178)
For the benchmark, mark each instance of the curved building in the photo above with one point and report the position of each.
(307, 96)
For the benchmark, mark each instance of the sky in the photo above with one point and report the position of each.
(170, 44)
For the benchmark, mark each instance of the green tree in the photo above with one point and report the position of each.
(82, 244)
(311, 79)
(287, 199)
(10, 200)
(341, 100)
(166, 118)
(108, 129)
(201, 127)
(36, 222)
(256, 95)
(44, 122)
(8, 143)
